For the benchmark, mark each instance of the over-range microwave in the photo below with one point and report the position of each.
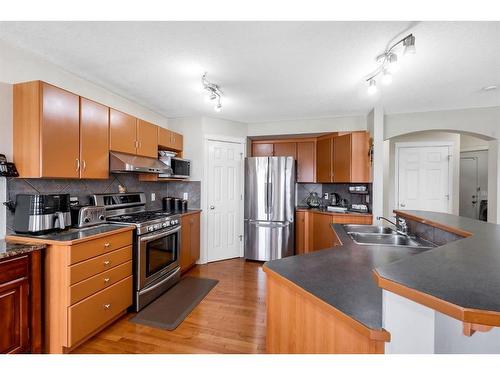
(181, 168)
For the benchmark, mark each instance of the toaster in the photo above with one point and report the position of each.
(87, 216)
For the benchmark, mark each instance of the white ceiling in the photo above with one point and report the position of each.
(272, 70)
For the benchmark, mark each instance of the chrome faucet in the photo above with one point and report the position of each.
(401, 226)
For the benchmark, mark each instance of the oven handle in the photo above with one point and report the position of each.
(159, 235)
(152, 287)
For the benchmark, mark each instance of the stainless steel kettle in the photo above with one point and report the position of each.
(335, 199)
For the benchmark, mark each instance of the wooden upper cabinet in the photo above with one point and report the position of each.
(94, 139)
(285, 149)
(306, 161)
(324, 156)
(351, 159)
(262, 149)
(122, 132)
(46, 131)
(168, 139)
(147, 139)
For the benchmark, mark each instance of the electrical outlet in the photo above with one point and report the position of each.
(185, 196)
(153, 197)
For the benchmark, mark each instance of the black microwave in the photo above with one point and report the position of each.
(181, 168)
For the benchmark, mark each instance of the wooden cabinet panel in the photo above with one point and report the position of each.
(93, 266)
(360, 162)
(322, 232)
(164, 138)
(194, 221)
(306, 161)
(90, 314)
(177, 141)
(122, 132)
(190, 241)
(324, 155)
(60, 133)
(342, 158)
(94, 139)
(147, 139)
(262, 149)
(92, 248)
(286, 149)
(14, 318)
(300, 232)
(94, 284)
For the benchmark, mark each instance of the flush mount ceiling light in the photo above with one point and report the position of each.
(388, 63)
(213, 92)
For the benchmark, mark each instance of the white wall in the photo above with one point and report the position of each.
(427, 136)
(307, 126)
(17, 65)
(485, 121)
(471, 143)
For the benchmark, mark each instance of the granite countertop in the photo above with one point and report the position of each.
(465, 272)
(324, 211)
(342, 276)
(73, 235)
(10, 249)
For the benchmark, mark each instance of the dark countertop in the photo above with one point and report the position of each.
(465, 272)
(10, 249)
(72, 235)
(342, 276)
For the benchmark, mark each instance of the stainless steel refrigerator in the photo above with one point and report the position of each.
(269, 207)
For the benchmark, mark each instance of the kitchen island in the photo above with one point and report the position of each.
(331, 301)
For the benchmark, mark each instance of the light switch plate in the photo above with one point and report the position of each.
(153, 197)
(185, 196)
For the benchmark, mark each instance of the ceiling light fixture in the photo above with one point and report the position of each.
(213, 92)
(388, 62)
(490, 88)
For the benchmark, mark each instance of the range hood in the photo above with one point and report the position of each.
(120, 163)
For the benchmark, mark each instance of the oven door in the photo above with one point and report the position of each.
(158, 255)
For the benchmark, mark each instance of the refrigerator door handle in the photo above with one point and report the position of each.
(270, 197)
(266, 199)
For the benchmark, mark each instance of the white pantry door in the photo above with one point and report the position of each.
(423, 180)
(224, 198)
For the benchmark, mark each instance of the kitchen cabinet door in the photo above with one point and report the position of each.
(286, 149)
(323, 236)
(194, 222)
(14, 318)
(122, 132)
(324, 156)
(300, 232)
(94, 139)
(147, 139)
(360, 160)
(60, 133)
(306, 161)
(342, 158)
(177, 141)
(185, 252)
(164, 138)
(262, 149)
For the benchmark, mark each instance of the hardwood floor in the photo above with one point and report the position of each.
(231, 319)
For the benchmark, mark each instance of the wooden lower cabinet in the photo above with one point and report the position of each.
(20, 304)
(190, 240)
(88, 285)
(300, 323)
(313, 229)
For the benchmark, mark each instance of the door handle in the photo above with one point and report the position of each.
(212, 207)
(402, 205)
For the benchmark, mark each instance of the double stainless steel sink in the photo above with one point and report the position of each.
(379, 235)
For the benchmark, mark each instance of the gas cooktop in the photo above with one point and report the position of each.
(140, 217)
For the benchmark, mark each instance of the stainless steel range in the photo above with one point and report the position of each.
(156, 243)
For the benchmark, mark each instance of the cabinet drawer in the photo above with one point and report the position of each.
(13, 269)
(90, 249)
(94, 284)
(91, 313)
(91, 267)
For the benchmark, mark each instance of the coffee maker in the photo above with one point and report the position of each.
(41, 213)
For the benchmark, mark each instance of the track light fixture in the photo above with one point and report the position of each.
(213, 91)
(388, 63)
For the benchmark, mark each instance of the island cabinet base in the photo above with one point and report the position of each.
(300, 323)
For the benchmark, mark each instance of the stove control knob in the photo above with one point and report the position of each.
(164, 225)
(175, 222)
(150, 228)
(167, 223)
(86, 220)
(101, 217)
(157, 226)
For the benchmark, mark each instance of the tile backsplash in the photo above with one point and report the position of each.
(84, 188)
(303, 191)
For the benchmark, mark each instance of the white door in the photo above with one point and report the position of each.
(224, 199)
(423, 179)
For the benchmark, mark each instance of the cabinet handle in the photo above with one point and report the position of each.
(106, 262)
(106, 280)
(107, 306)
(84, 165)
(77, 164)
(106, 244)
